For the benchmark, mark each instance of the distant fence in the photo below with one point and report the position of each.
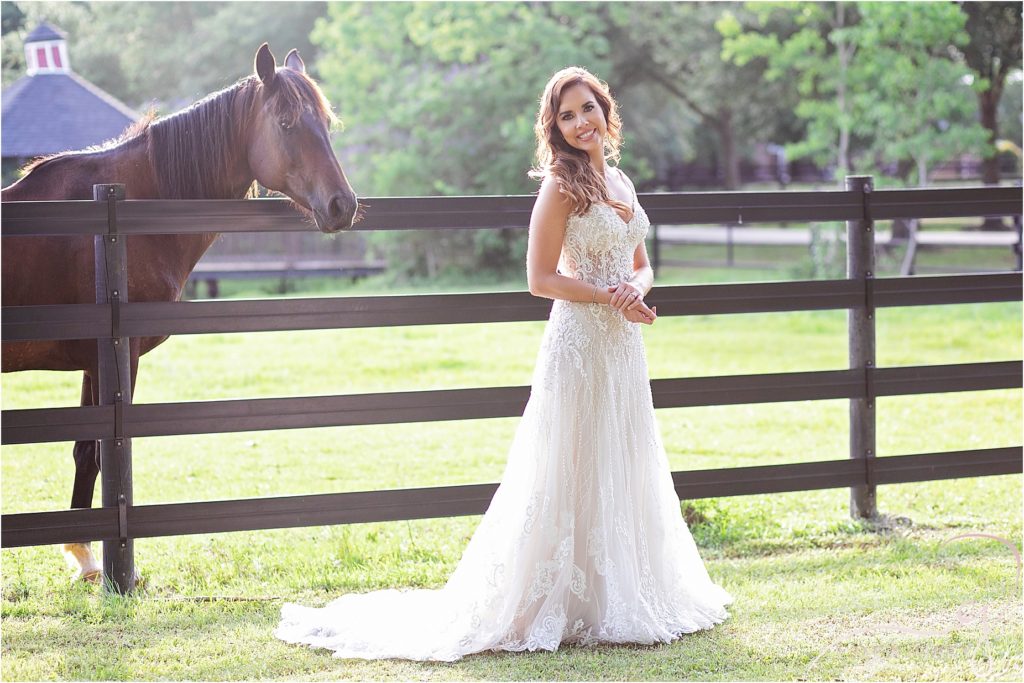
(732, 236)
(768, 168)
(116, 421)
(283, 257)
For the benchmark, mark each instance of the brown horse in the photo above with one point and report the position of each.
(271, 128)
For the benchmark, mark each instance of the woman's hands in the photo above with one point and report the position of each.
(628, 299)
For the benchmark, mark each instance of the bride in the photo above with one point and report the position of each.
(583, 542)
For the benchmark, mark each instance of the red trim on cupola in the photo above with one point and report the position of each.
(40, 58)
(55, 51)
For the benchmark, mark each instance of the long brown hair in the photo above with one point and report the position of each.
(577, 178)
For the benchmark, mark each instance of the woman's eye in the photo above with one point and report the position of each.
(588, 107)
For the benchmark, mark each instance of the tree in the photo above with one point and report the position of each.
(440, 98)
(993, 51)
(805, 41)
(13, 17)
(916, 103)
(677, 48)
(879, 82)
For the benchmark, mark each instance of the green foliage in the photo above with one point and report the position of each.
(915, 96)
(674, 48)
(166, 53)
(995, 47)
(443, 102)
(1010, 106)
(880, 83)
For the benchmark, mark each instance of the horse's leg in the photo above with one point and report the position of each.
(87, 466)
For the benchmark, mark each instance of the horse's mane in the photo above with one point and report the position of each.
(190, 165)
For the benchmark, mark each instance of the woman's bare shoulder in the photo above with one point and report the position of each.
(550, 197)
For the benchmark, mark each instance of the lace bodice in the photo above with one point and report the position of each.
(598, 246)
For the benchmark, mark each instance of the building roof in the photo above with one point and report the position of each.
(56, 112)
(45, 32)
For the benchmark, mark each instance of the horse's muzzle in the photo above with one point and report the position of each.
(338, 214)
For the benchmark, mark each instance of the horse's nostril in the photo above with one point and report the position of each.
(340, 209)
(335, 208)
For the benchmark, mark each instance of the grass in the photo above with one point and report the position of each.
(818, 595)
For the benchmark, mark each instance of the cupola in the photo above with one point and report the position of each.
(46, 50)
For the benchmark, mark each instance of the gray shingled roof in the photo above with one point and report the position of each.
(45, 32)
(50, 113)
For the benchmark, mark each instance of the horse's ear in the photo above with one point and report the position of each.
(294, 61)
(265, 64)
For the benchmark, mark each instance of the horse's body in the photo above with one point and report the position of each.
(271, 128)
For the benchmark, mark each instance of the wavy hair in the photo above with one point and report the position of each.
(577, 178)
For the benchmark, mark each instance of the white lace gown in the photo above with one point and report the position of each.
(584, 541)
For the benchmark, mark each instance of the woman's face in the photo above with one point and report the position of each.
(581, 120)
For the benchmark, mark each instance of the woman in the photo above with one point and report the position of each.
(583, 541)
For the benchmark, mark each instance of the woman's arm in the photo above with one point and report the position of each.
(547, 230)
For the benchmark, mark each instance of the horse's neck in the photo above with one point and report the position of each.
(72, 175)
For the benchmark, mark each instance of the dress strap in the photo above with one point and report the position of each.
(630, 183)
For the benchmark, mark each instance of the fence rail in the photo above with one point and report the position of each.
(861, 294)
(43, 425)
(85, 321)
(178, 216)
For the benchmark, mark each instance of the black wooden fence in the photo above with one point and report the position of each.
(114, 320)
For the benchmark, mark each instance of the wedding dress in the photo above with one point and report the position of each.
(584, 541)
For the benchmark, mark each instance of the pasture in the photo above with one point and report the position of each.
(818, 596)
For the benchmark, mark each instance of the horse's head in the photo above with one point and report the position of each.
(289, 147)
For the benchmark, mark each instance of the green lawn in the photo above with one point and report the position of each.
(818, 596)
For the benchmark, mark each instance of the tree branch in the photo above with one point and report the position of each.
(669, 85)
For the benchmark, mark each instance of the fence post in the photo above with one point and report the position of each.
(114, 369)
(1018, 248)
(656, 248)
(860, 321)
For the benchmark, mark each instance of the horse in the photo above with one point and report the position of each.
(271, 128)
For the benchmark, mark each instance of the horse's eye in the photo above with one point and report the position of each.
(286, 124)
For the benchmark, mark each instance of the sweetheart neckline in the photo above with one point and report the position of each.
(621, 220)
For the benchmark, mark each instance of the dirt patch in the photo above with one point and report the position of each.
(977, 617)
(842, 630)
(870, 636)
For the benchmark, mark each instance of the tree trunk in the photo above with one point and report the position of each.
(988, 101)
(901, 226)
(727, 143)
(845, 55)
